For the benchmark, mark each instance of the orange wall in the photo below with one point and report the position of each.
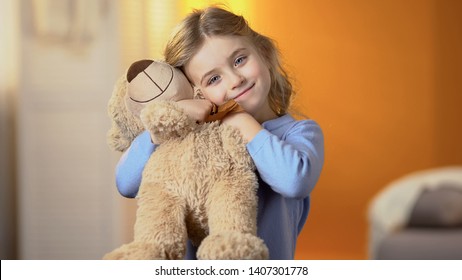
(382, 79)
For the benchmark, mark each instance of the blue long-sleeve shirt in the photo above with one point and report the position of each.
(289, 156)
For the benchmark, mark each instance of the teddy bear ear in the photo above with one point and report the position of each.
(137, 67)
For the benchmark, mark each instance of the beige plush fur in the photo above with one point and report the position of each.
(198, 184)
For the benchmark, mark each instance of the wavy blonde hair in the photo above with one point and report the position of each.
(190, 34)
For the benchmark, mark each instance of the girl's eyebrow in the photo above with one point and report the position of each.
(206, 74)
(233, 54)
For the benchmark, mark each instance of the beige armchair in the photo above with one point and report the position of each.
(418, 216)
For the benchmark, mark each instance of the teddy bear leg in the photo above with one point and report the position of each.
(134, 251)
(232, 213)
(160, 230)
(232, 245)
(160, 220)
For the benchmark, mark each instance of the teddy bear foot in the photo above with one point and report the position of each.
(232, 246)
(135, 251)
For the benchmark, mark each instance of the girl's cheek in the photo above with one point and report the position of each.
(217, 97)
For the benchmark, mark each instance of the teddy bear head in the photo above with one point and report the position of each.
(144, 82)
(150, 80)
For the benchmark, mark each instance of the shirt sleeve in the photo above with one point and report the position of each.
(130, 167)
(291, 165)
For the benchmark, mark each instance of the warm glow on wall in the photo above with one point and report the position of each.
(236, 6)
(160, 18)
(144, 28)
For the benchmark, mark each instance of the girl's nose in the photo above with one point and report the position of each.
(237, 79)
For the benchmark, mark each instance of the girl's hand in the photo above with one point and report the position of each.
(197, 109)
(245, 123)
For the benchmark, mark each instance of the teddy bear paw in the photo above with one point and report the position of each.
(166, 120)
(232, 246)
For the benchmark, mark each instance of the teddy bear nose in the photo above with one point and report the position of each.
(136, 68)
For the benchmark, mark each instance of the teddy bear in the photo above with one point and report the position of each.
(199, 184)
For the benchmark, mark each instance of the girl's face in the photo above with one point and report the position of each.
(229, 67)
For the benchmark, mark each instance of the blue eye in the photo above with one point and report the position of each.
(213, 80)
(239, 60)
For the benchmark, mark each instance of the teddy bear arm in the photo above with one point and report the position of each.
(125, 127)
(116, 139)
(165, 120)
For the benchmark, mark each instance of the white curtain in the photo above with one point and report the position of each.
(67, 207)
(9, 34)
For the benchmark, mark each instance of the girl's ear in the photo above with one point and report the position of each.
(198, 93)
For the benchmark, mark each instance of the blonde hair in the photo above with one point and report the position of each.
(190, 34)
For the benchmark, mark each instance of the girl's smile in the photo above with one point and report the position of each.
(238, 97)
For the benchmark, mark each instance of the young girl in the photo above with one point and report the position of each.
(225, 59)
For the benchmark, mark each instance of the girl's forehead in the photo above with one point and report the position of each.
(224, 45)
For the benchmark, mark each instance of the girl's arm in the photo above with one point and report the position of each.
(292, 165)
(130, 167)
